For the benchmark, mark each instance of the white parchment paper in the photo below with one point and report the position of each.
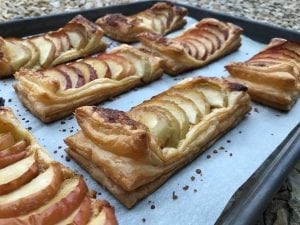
(189, 197)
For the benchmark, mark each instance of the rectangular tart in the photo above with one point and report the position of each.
(133, 153)
(272, 75)
(79, 37)
(206, 41)
(161, 18)
(54, 93)
(35, 189)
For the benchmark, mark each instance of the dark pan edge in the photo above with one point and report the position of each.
(258, 31)
(250, 200)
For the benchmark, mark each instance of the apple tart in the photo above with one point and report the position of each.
(79, 37)
(272, 75)
(206, 41)
(54, 93)
(133, 153)
(36, 190)
(161, 18)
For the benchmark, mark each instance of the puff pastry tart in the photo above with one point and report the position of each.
(133, 153)
(35, 190)
(54, 93)
(77, 38)
(206, 41)
(161, 18)
(272, 75)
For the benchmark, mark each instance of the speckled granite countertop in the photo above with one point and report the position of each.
(281, 13)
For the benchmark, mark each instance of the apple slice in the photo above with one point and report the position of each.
(196, 96)
(214, 95)
(33, 194)
(187, 105)
(77, 35)
(86, 70)
(175, 110)
(161, 123)
(203, 51)
(57, 43)
(75, 76)
(35, 54)
(18, 53)
(46, 49)
(222, 34)
(65, 202)
(6, 140)
(105, 217)
(64, 39)
(63, 78)
(18, 174)
(12, 158)
(212, 37)
(119, 66)
(17, 147)
(81, 215)
(101, 68)
(191, 48)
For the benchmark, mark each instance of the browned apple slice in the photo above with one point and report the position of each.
(6, 140)
(57, 43)
(63, 78)
(35, 54)
(185, 104)
(86, 70)
(18, 53)
(191, 48)
(64, 39)
(17, 147)
(33, 194)
(201, 48)
(81, 215)
(12, 158)
(211, 36)
(64, 203)
(17, 174)
(46, 49)
(222, 34)
(101, 68)
(214, 95)
(75, 76)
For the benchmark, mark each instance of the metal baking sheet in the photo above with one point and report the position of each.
(198, 193)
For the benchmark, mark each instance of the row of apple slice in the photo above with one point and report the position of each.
(287, 52)
(44, 50)
(34, 192)
(114, 66)
(170, 115)
(203, 40)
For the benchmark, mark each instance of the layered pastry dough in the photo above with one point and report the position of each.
(206, 41)
(35, 190)
(272, 75)
(77, 38)
(161, 18)
(54, 93)
(133, 153)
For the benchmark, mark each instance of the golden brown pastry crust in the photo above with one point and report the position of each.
(155, 147)
(79, 37)
(54, 93)
(161, 18)
(47, 192)
(206, 41)
(272, 75)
